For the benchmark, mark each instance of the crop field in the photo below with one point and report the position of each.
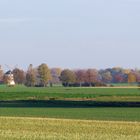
(61, 129)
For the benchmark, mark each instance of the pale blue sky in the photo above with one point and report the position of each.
(70, 34)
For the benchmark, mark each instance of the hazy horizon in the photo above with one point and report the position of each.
(70, 34)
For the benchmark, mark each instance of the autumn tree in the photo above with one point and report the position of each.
(44, 74)
(106, 76)
(55, 73)
(67, 77)
(19, 76)
(118, 75)
(137, 74)
(1, 73)
(80, 76)
(6, 79)
(91, 76)
(132, 77)
(30, 76)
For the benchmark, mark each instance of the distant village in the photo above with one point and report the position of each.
(43, 76)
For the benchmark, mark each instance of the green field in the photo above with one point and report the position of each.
(114, 114)
(71, 103)
(75, 113)
(60, 93)
(61, 129)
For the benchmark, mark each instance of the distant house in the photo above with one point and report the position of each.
(9, 78)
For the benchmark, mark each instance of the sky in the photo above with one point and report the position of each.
(70, 34)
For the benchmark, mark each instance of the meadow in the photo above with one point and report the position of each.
(60, 93)
(98, 113)
(59, 113)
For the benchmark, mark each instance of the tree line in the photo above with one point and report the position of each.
(43, 76)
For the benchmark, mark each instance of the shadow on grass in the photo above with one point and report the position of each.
(63, 103)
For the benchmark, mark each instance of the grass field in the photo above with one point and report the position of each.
(60, 93)
(61, 129)
(25, 113)
(124, 84)
(114, 114)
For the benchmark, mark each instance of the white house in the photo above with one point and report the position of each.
(10, 78)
